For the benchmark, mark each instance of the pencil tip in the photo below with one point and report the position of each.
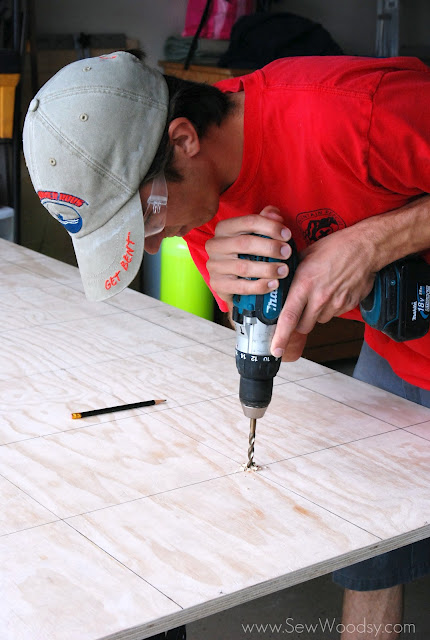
(159, 401)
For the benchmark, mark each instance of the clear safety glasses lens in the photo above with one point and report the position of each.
(155, 215)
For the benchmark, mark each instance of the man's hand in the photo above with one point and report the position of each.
(236, 236)
(228, 272)
(333, 276)
(294, 347)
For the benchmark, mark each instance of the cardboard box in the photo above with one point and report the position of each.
(8, 82)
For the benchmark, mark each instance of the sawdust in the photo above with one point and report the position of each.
(253, 468)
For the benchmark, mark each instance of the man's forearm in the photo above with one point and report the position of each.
(398, 233)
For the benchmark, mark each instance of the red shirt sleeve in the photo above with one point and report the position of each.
(399, 133)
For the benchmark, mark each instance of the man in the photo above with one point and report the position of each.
(332, 151)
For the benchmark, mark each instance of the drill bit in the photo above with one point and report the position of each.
(252, 428)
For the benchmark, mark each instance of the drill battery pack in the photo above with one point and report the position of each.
(399, 303)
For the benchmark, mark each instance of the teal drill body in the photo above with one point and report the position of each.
(255, 317)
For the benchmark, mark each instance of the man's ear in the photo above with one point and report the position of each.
(183, 135)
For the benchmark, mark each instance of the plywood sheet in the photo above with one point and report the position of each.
(124, 525)
(57, 584)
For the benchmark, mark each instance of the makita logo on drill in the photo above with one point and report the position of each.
(423, 301)
(414, 310)
(273, 301)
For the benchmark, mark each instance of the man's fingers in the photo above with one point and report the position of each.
(243, 287)
(220, 246)
(246, 269)
(295, 347)
(265, 236)
(263, 225)
(307, 321)
(272, 213)
(288, 320)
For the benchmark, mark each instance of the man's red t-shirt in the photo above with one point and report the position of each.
(331, 141)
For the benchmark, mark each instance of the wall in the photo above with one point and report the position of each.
(352, 23)
(150, 21)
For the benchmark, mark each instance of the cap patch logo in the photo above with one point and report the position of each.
(63, 206)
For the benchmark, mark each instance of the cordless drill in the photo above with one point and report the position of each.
(255, 317)
(398, 305)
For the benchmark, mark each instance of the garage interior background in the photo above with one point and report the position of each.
(352, 24)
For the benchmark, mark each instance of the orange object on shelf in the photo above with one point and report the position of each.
(200, 73)
(8, 82)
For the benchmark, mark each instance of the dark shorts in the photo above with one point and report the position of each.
(407, 563)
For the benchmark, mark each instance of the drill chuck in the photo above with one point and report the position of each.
(255, 395)
(256, 366)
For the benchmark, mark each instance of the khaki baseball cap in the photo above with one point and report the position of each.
(90, 136)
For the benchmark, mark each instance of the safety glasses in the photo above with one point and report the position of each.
(156, 211)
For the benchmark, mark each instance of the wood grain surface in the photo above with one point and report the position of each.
(124, 525)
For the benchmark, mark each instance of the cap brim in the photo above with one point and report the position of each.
(109, 258)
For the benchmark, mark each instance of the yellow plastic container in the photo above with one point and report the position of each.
(8, 82)
(181, 283)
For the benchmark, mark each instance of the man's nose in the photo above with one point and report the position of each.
(153, 243)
